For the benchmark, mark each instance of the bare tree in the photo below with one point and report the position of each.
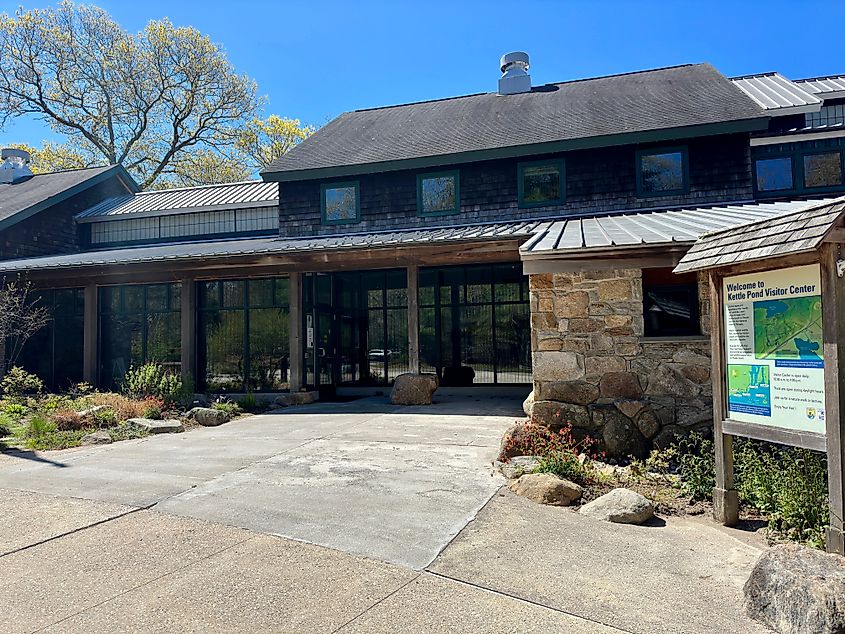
(20, 318)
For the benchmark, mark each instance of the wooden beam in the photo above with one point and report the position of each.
(833, 336)
(413, 318)
(90, 335)
(295, 332)
(770, 433)
(189, 330)
(725, 497)
(645, 259)
(835, 235)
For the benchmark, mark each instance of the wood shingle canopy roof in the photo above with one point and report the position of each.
(800, 231)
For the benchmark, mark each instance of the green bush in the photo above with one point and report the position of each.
(18, 382)
(105, 418)
(6, 425)
(232, 409)
(248, 403)
(15, 411)
(557, 451)
(152, 411)
(126, 432)
(153, 380)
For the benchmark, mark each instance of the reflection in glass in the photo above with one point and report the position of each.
(662, 172)
(774, 174)
(541, 183)
(340, 204)
(438, 194)
(823, 169)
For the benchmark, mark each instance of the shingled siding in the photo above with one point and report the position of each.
(594, 369)
(597, 180)
(53, 231)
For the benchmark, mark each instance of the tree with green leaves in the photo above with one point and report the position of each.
(164, 97)
(265, 140)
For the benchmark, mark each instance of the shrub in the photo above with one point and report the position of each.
(126, 432)
(105, 417)
(18, 382)
(531, 439)
(232, 409)
(152, 409)
(41, 434)
(123, 408)
(78, 390)
(697, 466)
(6, 425)
(67, 419)
(153, 380)
(562, 456)
(248, 403)
(15, 411)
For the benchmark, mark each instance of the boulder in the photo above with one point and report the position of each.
(518, 466)
(458, 376)
(575, 392)
(620, 385)
(619, 433)
(546, 488)
(156, 426)
(620, 506)
(297, 398)
(208, 416)
(555, 415)
(413, 389)
(528, 404)
(794, 589)
(99, 437)
(90, 412)
(507, 449)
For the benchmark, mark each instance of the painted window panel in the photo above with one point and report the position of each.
(662, 172)
(774, 174)
(438, 194)
(823, 169)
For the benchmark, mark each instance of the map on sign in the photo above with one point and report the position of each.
(749, 390)
(788, 329)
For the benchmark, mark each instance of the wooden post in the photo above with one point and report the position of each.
(413, 318)
(90, 335)
(725, 498)
(295, 332)
(833, 337)
(189, 330)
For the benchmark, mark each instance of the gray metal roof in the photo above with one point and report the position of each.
(187, 199)
(270, 246)
(778, 95)
(825, 86)
(800, 231)
(628, 108)
(21, 200)
(573, 236)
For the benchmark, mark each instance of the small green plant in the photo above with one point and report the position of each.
(697, 466)
(78, 390)
(105, 417)
(153, 380)
(15, 411)
(232, 409)
(565, 457)
(248, 402)
(6, 425)
(19, 382)
(152, 411)
(126, 432)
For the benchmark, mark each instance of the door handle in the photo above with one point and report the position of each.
(322, 352)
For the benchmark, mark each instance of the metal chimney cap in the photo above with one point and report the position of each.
(516, 58)
(9, 152)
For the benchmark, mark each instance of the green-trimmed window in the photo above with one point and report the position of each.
(823, 169)
(541, 183)
(799, 168)
(340, 203)
(438, 193)
(662, 172)
(774, 174)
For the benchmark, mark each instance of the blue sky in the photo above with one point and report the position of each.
(316, 59)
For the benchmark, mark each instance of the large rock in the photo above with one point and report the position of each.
(793, 589)
(556, 415)
(575, 392)
(508, 448)
(156, 426)
(557, 366)
(99, 437)
(668, 380)
(619, 433)
(208, 416)
(297, 398)
(648, 423)
(620, 385)
(546, 488)
(621, 506)
(413, 389)
(528, 404)
(519, 466)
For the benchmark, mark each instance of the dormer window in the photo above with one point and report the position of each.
(662, 172)
(438, 194)
(340, 203)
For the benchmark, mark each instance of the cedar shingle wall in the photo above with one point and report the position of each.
(597, 180)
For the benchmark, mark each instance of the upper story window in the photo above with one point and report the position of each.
(340, 203)
(662, 172)
(541, 183)
(830, 114)
(670, 304)
(790, 168)
(438, 193)
(823, 169)
(774, 174)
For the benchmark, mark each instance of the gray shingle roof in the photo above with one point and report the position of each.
(270, 246)
(20, 200)
(617, 109)
(187, 199)
(797, 232)
(646, 229)
(777, 94)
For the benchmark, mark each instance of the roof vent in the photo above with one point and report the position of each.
(15, 166)
(515, 78)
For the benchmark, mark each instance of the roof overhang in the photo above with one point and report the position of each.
(797, 136)
(651, 136)
(174, 212)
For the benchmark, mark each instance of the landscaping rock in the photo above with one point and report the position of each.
(297, 398)
(793, 589)
(414, 389)
(89, 413)
(546, 488)
(575, 392)
(620, 506)
(555, 415)
(156, 426)
(518, 466)
(99, 437)
(506, 450)
(207, 416)
(630, 408)
(528, 404)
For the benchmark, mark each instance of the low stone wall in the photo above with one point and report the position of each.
(594, 369)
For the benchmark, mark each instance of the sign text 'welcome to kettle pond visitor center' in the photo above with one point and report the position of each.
(773, 348)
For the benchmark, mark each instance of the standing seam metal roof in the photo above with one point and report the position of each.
(773, 91)
(228, 195)
(823, 85)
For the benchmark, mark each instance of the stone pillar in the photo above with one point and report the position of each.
(413, 319)
(189, 330)
(90, 335)
(295, 332)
